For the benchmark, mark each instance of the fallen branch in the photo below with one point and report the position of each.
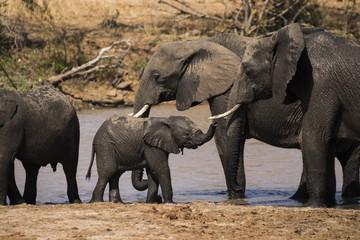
(92, 65)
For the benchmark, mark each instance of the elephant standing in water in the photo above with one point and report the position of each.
(323, 72)
(125, 143)
(206, 69)
(37, 127)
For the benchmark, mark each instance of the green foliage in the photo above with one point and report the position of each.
(140, 65)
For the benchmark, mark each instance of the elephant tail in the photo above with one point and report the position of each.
(88, 174)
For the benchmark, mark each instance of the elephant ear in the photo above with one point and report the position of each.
(8, 109)
(158, 133)
(288, 44)
(208, 70)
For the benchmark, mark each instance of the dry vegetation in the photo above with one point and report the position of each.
(43, 38)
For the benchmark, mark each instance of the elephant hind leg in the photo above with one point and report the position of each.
(114, 192)
(30, 189)
(13, 191)
(72, 188)
(107, 169)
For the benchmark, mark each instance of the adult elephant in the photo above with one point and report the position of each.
(37, 127)
(194, 71)
(323, 71)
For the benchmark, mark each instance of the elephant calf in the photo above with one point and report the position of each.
(125, 143)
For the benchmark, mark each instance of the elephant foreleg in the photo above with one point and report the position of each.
(114, 192)
(30, 188)
(158, 163)
(318, 150)
(301, 193)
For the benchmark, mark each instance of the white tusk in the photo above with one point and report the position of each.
(142, 111)
(225, 113)
(131, 114)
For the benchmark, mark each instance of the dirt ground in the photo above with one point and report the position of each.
(200, 220)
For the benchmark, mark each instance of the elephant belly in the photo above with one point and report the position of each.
(129, 160)
(133, 166)
(41, 151)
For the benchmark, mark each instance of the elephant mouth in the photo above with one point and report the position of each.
(191, 146)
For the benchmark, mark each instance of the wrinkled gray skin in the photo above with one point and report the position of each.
(125, 143)
(37, 127)
(323, 71)
(194, 71)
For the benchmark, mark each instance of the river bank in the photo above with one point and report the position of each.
(200, 220)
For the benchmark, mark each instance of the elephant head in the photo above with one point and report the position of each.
(171, 135)
(268, 66)
(188, 72)
(175, 133)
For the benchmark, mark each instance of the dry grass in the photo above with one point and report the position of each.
(92, 12)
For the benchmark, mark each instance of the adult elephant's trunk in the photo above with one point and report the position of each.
(201, 138)
(234, 155)
(137, 180)
(146, 95)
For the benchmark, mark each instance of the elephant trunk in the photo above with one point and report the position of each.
(201, 138)
(234, 159)
(139, 105)
(137, 180)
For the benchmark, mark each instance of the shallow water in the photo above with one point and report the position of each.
(272, 173)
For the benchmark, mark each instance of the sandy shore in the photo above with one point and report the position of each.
(176, 221)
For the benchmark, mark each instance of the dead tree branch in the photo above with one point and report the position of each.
(92, 66)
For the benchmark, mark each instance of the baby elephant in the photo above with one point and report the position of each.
(125, 143)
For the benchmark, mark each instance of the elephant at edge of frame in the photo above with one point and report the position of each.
(191, 72)
(37, 127)
(321, 70)
(125, 143)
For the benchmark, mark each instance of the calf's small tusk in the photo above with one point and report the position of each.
(225, 113)
(142, 111)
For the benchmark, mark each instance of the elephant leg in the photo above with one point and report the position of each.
(153, 188)
(5, 168)
(114, 192)
(70, 162)
(318, 155)
(106, 168)
(301, 193)
(30, 188)
(13, 191)
(158, 163)
(350, 162)
(72, 187)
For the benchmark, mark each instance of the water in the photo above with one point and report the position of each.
(272, 173)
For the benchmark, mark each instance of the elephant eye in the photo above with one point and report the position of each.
(156, 76)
